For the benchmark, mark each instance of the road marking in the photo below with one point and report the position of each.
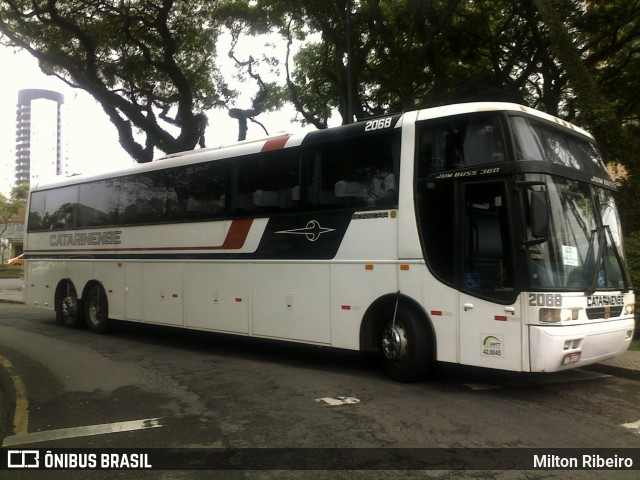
(334, 402)
(632, 426)
(85, 431)
(21, 412)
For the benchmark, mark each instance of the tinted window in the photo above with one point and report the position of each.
(459, 142)
(201, 191)
(538, 140)
(436, 208)
(359, 172)
(148, 197)
(60, 208)
(488, 259)
(266, 183)
(98, 204)
(36, 210)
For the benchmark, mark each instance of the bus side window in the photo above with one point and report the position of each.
(60, 208)
(459, 143)
(36, 211)
(201, 191)
(266, 183)
(483, 143)
(98, 203)
(439, 149)
(357, 172)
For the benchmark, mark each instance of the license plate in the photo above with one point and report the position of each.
(571, 358)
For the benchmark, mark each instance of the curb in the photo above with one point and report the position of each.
(614, 370)
(16, 302)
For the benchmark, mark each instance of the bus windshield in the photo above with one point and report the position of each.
(583, 249)
(539, 141)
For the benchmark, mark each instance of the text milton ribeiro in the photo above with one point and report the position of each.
(583, 462)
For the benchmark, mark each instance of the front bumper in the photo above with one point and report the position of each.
(555, 348)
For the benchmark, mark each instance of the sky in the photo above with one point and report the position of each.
(90, 139)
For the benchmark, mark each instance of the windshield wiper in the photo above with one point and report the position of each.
(621, 265)
(602, 245)
(594, 281)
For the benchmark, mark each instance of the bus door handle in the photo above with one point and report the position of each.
(468, 306)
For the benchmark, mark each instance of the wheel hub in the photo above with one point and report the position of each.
(69, 306)
(394, 342)
(95, 312)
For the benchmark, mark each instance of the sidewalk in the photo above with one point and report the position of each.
(11, 295)
(627, 365)
(11, 290)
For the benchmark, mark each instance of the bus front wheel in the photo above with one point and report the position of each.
(96, 310)
(68, 308)
(405, 347)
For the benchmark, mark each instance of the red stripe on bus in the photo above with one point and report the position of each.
(237, 234)
(275, 143)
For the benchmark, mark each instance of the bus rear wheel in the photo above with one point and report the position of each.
(405, 347)
(96, 310)
(68, 308)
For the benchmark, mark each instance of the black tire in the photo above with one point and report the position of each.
(69, 306)
(96, 310)
(406, 348)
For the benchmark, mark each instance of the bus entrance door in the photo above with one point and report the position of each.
(489, 313)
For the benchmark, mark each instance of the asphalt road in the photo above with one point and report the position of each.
(148, 387)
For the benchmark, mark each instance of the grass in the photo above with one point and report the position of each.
(635, 345)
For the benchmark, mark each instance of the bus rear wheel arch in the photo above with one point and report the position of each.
(68, 305)
(402, 335)
(96, 309)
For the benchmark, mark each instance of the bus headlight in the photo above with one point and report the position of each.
(629, 309)
(557, 315)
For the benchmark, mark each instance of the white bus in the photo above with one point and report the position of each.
(482, 234)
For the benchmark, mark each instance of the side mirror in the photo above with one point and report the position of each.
(539, 214)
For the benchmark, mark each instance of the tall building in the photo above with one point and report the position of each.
(39, 154)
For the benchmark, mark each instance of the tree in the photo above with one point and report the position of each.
(149, 63)
(269, 97)
(9, 207)
(573, 59)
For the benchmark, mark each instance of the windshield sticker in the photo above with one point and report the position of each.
(570, 256)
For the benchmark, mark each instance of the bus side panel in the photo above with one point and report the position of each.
(369, 238)
(291, 301)
(441, 304)
(112, 277)
(39, 277)
(408, 240)
(80, 272)
(163, 293)
(133, 291)
(216, 297)
(354, 287)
